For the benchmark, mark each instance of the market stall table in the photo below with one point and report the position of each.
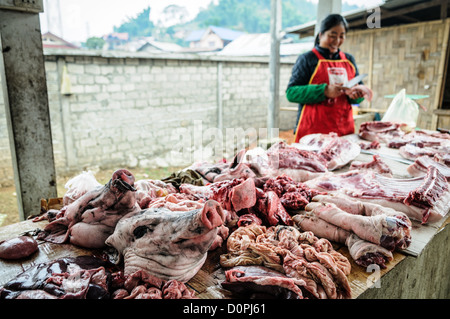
(421, 271)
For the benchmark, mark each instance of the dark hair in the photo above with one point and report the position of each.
(329, 22)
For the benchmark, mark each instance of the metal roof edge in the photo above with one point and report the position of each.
(161, 56)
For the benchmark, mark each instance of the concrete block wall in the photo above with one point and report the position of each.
(149, 110)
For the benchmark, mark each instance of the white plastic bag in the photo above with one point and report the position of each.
(402, 110)
(78, 186)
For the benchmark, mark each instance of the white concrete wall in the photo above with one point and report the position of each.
(151, 110)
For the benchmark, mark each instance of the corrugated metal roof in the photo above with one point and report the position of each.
(223, 33)
(161, 46)
(258, 44)
(226, 34)
(195, 35)
(396, 10)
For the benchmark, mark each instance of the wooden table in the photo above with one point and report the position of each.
(422, 271)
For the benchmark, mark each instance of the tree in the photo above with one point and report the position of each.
(252, 16)
(94, 43)
(173, 14)
(139, 26)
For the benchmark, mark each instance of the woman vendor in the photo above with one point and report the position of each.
(317, 83)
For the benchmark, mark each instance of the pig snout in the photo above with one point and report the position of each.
(124, 180)
(212, 215)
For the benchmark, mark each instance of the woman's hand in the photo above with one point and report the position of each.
(332, 91)
(359, 91)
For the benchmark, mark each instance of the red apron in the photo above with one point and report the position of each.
(330, 115)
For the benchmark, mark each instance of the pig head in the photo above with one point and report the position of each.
(167, 244)
(89, 220)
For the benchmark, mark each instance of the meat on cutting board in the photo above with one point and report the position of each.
(335, 150)
(18, 247)
(233, 195)
(388, 231)
(365, 253)
(281, 158)
(381, 131)
(377, 165)
(299, 255)
(262, 282)
(425, 198)
(421, 164)
(83, 277)
(362, 251)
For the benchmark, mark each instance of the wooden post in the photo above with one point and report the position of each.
(274, 66)
(26, 105)
(219, 97)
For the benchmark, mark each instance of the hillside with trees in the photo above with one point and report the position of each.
(252, 16)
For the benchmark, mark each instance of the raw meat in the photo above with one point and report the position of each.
(369, 145)
(182, 202)
(381, 131)
(442, 158)
(421, 164)
(18, 247)
(209, 171)
(411, 145)
(433, 186)
(426, 198)
(301, 256)
(83, 277)
(89, 277)
(248, 219)
(389, 231)
(271, 210)
(147, 190)
(233, 195)
(360, 250)
(367, 92)
(176, 202)
(419, 139)
(261, 282)
(376, 165)
(293, 195)
(89, 220)
(280, 158)
(336, 151)
(365, 253)
(242, 197)
(411, 151)
(236, 168)
(167, 244)
(142, 285)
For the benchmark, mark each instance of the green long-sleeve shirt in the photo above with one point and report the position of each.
(310, 94)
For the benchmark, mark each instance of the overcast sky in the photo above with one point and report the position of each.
(77, 20)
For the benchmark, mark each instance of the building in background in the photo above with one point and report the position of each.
(52, 41)
(211, 39)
